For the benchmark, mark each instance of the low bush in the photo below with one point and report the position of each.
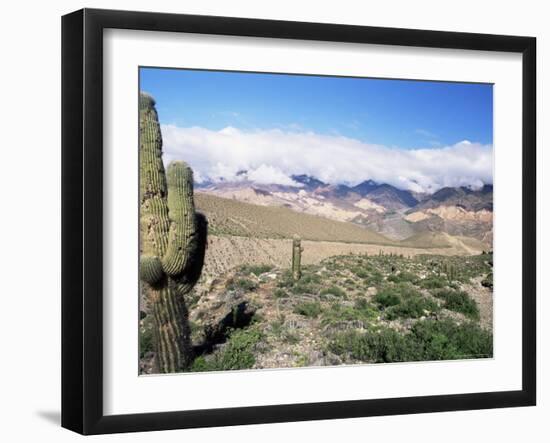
(488, 281)
(286, 280)
(255, 269)
(362, 303)
(334, 290)
(277, 326)
(361, 311)
(237, 353)
(428, 340)
(290, 337)
(414, 306)
(360, 272)
(403, 276)
(304, 288)
(445, 340)
(308, 284)
(280, 293)
(384, 345)
(387, 297)
(458, 301)
(349, 283)
(433, 283)
(308, 309)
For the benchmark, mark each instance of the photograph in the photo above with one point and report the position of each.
(292, 220)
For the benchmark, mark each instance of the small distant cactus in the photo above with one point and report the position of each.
(450, 271)
(172, 243)
(296, 258)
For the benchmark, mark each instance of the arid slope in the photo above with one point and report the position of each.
(232, 217)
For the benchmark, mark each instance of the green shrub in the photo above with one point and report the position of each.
(276, 327)
(387, 297)
(433, 283)
(201, 364)
(442, 340)
(334, 290)
(359, 272)
(385, 345)
(488, 281)
(361, 311)
(310, 278)
(362, 303)
(238, 350)
(403, 276)
(301, 360)
(255, 269)
(290, 337)
(308, 309)
(304, 288)
(375, 278)
(428, 340)
(414, 306)
(237, 353)
(308, 284)
(280, 293)
(286, 280)
(458, 301)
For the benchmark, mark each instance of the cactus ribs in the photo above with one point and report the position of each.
(172, 243)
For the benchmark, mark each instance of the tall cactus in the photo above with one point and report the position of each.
(172, 243)
(296, 258)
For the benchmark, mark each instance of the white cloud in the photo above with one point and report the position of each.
(266, 175)
(271, 156)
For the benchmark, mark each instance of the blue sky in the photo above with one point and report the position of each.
(412, 134)
(396, 113)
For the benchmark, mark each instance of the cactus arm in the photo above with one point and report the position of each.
(181, 208)
(194, 266)
(150, 269)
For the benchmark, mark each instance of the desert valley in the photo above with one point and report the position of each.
(312, 221)
(385, 271)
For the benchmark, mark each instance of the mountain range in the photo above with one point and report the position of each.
(395, 213)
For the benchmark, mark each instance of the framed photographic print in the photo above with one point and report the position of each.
(269, 221)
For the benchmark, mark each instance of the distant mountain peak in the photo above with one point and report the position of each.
(365, 187)
(464, 197)
(486, 189)
(392, 197)
(307, 180)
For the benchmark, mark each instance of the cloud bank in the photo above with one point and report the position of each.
(272, 156)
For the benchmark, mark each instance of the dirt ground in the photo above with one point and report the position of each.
(227, 252)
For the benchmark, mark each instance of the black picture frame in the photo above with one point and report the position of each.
(82, 218)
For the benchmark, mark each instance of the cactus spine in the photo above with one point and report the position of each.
(172, 243)
(296, 258)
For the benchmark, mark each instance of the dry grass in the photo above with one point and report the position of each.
(225, 253)
(243, 234)
(232, 217)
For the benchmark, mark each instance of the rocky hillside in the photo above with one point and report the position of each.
(344, 310)
(395, 213)
(468, 199)
(231, 216)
